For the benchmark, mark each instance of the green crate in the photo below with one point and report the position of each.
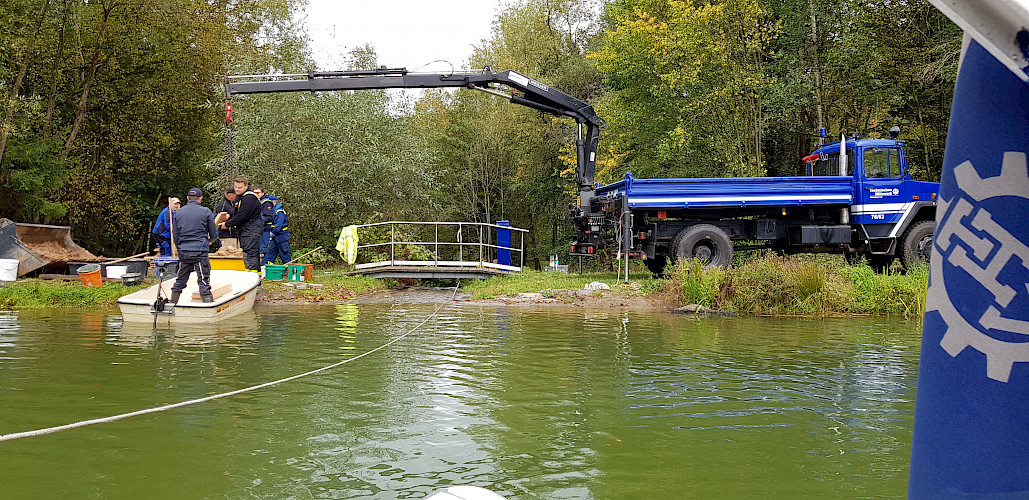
(274, 272)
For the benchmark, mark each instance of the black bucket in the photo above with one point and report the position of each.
(131, 279)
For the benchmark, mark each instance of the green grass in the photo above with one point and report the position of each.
(337, 285)
(801, 286)
(36, 293)
(535, 281)
(764, 285)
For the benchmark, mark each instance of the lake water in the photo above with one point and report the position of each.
(532, 402)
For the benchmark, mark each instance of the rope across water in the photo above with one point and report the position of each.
(83, 423)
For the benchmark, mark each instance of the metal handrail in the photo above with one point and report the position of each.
(482, 244)
(422, 223)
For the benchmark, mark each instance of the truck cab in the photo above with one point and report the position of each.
(887, 201)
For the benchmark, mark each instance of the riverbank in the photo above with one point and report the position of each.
(767, 285)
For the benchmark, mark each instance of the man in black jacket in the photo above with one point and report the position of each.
(247, 223)
(193, 230)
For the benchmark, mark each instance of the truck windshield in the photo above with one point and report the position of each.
(829, 164)
(882, 162)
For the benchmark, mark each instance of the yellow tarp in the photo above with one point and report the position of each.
(347, 244)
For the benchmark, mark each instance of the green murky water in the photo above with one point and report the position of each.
(554, 403)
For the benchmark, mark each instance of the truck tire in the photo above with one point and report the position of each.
(704, 242)
(917, 244)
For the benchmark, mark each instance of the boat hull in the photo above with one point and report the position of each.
(138, 306)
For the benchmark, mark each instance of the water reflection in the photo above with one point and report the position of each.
(534, 403)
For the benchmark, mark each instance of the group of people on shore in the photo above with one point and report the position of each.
(256, 219)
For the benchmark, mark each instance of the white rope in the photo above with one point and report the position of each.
(83, 423)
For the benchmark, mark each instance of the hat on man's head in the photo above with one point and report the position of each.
(273, 197)
(195, 192)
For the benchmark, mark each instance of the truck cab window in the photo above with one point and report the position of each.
(881, 163)
(829, 164)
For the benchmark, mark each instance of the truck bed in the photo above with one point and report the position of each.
(730, 192)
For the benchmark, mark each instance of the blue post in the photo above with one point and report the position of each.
(971, 435)
(503, 240)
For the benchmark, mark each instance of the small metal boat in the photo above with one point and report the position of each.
(145, 306)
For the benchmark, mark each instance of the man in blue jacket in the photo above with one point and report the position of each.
(279, 244)
(194, 231)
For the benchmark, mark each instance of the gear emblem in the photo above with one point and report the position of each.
(985, 265)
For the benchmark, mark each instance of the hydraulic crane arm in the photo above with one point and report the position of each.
(528, 92)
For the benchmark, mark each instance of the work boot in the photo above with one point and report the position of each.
(175, 297)
(206, 298)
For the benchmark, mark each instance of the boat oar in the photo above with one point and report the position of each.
(302, 256)
(123, 259)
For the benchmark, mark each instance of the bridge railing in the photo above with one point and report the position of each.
(440, 244)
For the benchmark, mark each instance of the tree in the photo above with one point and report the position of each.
(686, 86)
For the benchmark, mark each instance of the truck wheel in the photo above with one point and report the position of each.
(917, 244)
(706, 243)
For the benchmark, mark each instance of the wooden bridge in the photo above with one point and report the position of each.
(401, 249)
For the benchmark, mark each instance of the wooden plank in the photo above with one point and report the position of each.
(217, 290)
(70, 277)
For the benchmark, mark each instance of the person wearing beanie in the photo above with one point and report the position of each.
(162, 228)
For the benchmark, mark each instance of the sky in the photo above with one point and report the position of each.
(404, 33)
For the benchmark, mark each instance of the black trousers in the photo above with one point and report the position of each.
(197, 262)
(250, 243)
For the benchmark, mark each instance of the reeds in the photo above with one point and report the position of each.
(801, 286)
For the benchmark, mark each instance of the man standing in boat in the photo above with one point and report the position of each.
(248, 221)
(194, 231)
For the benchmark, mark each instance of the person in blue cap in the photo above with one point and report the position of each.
(279, 244)
(194, 231)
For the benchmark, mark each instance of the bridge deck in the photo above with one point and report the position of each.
(432, 269)
(428, 272)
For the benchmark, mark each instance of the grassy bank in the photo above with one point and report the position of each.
(37, 293)
(535, 281)
(799, 286)
(765, 285)
(809, 285)
(335, 286)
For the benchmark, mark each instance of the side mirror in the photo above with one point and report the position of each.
(894, 132)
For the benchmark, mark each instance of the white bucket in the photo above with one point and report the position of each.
(8, 269)
(116, 271)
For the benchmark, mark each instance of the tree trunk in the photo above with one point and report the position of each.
(6, 127)
(80, 110)
(817, 68)
(55, 74)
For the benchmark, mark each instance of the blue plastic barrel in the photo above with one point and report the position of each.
(503, 240)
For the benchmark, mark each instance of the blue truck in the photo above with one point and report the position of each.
(856, 199)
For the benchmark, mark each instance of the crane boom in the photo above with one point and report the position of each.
(528, 92)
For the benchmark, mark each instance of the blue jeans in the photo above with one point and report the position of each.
(278, 249)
